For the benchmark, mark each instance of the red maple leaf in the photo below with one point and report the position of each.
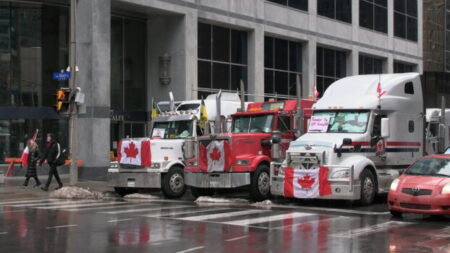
(306, 182)
(215, 154)
(131, 151)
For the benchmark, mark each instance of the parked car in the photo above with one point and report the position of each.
(423, 188)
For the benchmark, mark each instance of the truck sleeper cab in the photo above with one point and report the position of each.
(242, 157)
(360, 140)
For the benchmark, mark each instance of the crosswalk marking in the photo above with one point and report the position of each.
(80, 205)
(370, 229)
(269, 218)
(186, 212)
(331, 218)
(103, 207)
(222, 215)
(146, 209)
(24, 201)
(63, 226)
(52, 202)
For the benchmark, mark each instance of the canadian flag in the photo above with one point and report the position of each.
(134, 152)
(26, 151)
(303, 184)
(216, 156)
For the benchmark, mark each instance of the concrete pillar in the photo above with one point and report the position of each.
(309, 62)
(256, 63)
(94, 60)
(353, 63)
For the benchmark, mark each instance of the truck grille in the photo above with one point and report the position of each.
(415, 206)
(307, 160)
(129, 166)
(420, 192)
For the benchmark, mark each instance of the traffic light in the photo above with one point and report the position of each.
(62, 100)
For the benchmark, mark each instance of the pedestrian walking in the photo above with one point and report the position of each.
(51, 155)
(33, 158)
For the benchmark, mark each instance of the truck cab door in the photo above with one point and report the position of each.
(285, 126)
(432, 140)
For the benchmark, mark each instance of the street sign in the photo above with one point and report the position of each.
(62, 76)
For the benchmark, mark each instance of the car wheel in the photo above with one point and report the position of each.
(260, 183)
(173, 183)
(396, 214)
(197, 192)
(368, 188)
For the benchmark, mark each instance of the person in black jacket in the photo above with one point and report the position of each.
(33, 158)
(51, 154)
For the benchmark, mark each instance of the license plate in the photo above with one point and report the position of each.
(131, 183)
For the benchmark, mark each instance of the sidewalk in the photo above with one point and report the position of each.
(12, 187)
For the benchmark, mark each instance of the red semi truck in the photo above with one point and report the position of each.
(242, 157)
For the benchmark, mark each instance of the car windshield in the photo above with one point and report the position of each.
(253, 124)
(173, 129)
(338, 122)
(439, 167)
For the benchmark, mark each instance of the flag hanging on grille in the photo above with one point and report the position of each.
(303, 184)
(134, 152)
(216, 156)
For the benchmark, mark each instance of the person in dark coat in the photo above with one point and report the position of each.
(33, 158)
(51, 153)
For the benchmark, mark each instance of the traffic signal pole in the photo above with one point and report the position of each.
(73, 111)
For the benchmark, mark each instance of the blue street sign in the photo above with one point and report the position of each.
(61, 76)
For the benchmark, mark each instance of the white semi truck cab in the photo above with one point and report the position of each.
(157, 161)
(363, 132)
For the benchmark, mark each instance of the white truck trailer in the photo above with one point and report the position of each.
(157, 161)
(363, 131)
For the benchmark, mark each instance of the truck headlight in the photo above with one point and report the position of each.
(340, 174)
(394, 184)
(446, 189)
(242, 162)
(155, 165)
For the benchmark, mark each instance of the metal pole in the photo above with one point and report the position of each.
(299, 115)
(72, 84)
(242, 96)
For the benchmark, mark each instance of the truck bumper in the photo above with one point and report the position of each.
(217, 180)
(134, 180)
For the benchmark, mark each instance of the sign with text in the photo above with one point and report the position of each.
(61, 76)
(319, 124)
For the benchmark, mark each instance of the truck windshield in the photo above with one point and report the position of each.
(173, 129)
(339, 122)
(185, 107)
(438, 167)
(253, 124)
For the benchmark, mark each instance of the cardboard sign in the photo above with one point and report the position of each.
(159, 132)
(319, 124)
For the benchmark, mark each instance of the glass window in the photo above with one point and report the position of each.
(370, 65)
(438, 167)
(227, 65)
(253, 124)
(331, 66)
(405, 19)
(400, 67)
(373, 15)
(296, 4)
(344, 121)
(336, 9)
(173, 129)
(283, 62)
(284, 123)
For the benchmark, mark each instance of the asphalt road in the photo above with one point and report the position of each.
(160, 225)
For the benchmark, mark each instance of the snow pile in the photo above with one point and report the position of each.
(263, 203)
(205, 199)
(73, 192)
(140, 196)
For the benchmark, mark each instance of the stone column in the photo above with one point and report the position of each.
(256, 63)
(94, 62)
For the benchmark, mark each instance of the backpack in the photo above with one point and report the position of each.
(61, 157)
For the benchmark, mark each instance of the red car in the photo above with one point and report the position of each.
(423, 188)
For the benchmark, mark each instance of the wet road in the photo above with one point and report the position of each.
(159, 225)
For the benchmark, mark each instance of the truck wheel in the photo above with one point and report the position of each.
(173, 183)
(260, 183)
(368, 188)
(124, 191)
(197, 192)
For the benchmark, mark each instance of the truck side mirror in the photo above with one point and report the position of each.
(384, 127)
(347, 141)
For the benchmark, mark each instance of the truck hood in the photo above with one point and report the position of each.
(171, 149)
(328, 140)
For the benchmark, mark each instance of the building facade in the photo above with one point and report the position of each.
(131, 51)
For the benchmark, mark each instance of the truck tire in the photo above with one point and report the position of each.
(197, 192)
(260, 183)
(122, 191)
(368, 188)
(173, 183)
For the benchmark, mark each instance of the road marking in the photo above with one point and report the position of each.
(120, 220)
(62, 226)
(103, 207)
(370, 229)
(184, 212)
(3, 233)
(55, 203)
(24, 201)
(191, 249)
(331, 219)
(78, 205)
(326, 209)
(237, 238)
(274, 217)
(146, 209)
(221, 215)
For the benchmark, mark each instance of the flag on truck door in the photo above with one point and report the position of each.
(134, 152)
(303, 184)
(216, 156)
